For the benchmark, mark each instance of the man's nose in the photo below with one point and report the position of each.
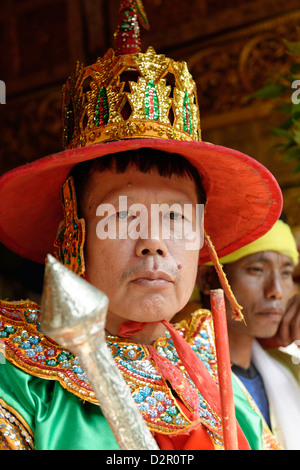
(151, 246)
(152, 239)
(273, 288)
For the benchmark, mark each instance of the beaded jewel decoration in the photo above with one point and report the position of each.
(128, 94)
(69, 243)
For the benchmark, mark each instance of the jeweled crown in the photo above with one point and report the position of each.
(128, 94)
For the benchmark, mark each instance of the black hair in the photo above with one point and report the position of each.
(145, 160)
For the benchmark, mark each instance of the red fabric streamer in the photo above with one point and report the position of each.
(193, 365)
(131, 328)
(178, 381)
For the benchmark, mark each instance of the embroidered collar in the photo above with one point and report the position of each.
(30, 350)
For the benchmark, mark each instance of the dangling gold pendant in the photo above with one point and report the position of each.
(69, 243)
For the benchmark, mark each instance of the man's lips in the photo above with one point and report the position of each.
(271, 314)
(152, 279)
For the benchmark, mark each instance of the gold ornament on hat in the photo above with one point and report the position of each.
(128, 94)
(69, 243)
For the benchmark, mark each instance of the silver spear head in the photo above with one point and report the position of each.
(72, 309)
(74, 315)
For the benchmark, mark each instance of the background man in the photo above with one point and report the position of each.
(261, 276)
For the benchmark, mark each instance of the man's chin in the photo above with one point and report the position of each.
(267, 333)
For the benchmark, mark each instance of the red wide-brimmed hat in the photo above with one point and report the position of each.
(129, 100)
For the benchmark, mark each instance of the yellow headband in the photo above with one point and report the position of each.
(279, 238)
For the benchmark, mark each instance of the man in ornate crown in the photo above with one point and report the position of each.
(129, 132)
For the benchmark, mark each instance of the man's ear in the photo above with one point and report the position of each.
(207, 279)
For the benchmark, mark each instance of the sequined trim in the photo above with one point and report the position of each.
(14, 432)
(154, 396)
(30, 350)
(152, 393)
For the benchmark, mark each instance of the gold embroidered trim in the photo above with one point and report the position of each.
(21, 340)
(15, 433)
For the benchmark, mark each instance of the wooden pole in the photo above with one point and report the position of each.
(224, 369)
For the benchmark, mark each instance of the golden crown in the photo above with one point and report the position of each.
(128, 94)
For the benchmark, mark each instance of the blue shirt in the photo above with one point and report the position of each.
(255, 386)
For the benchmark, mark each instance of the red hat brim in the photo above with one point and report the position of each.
(243, 198)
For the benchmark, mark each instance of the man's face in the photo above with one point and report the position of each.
(146, 276)
(263, 285)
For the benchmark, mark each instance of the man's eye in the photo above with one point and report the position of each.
(175, 216)
(287, 273)
(255, 270)
(122, 215)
